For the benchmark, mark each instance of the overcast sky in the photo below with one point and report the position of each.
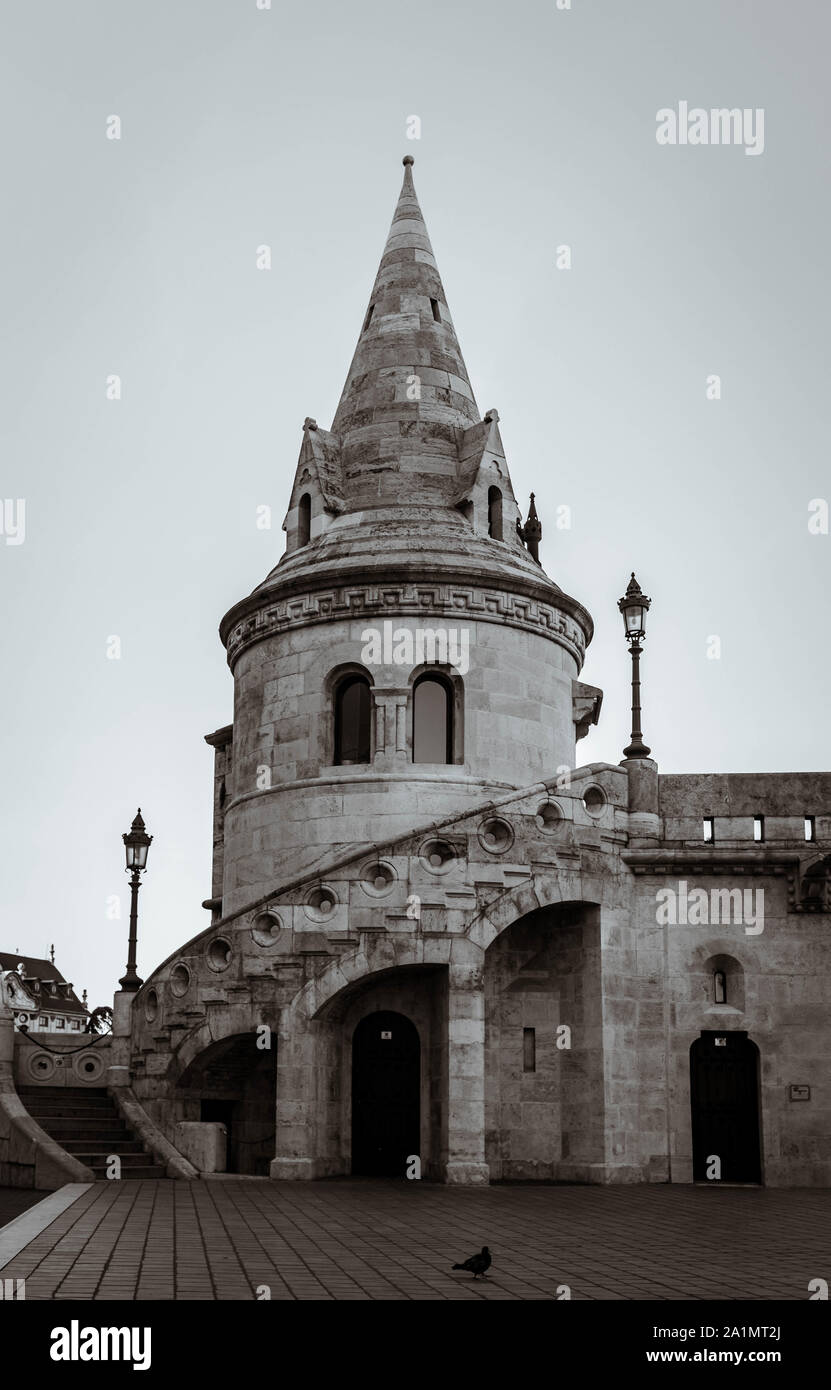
(286, 127)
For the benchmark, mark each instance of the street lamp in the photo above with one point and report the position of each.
(136, 845)
(634, 606)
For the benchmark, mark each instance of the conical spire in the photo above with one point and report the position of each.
(407, 396)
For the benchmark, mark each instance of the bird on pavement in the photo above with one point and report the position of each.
(477, 1264)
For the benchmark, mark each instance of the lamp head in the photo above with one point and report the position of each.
(136, 844)
(634, 607)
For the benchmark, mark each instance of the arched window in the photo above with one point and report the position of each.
(304, 520)
(432, 720)
(725, 982)
(494, 513)
(352, 721)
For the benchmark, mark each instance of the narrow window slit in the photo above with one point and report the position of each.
(304, 520)
(495, 514)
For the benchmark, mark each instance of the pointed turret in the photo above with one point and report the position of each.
(411, 484)
(531, 532)
(407, 396)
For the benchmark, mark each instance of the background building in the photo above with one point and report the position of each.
(47, 1002)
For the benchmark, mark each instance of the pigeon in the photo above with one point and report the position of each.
(477, 1264)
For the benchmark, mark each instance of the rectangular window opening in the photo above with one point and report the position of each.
(810, 827)
(708, 827)
(434, 305)
(529, 1049)
(368, 319)
(758, 829)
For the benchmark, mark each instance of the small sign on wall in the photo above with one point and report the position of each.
(385, 1035)
(800, 1092)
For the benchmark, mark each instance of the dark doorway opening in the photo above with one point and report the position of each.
(386, 1077)
(724, 1096)
(234, 1082)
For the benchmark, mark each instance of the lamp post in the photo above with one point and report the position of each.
(136, 845)
(634, 606)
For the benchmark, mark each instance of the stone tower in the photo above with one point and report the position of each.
(438, 947)
(401, 518)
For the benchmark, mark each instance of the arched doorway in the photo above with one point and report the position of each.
(544, 1086)
(724, 1097)
(386, 1073)
(234, 1082)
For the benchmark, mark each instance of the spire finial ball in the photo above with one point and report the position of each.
(408, 159)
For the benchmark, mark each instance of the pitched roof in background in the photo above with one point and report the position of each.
(36, 969)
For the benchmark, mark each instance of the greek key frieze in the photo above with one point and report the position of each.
(487, 605)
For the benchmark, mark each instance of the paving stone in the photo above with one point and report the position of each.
(386, 1241)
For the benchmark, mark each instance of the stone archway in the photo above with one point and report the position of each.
(232, 1082)
(436, 981)
(544, 1078)
(549, 889)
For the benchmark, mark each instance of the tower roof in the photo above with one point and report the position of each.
(407, 395)
(401, 489)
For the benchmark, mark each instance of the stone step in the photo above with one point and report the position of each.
(74, 1091)
(97, 1158)
(142, 1167)
(119, 1145)
(60, 1112)
(64, 1123)
(51, 1107)
(69, 1112)
(64, 1118)
(88, 1093)
(151, 1171)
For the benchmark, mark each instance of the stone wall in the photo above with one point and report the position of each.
(61, 1061)
(733, 799)
(779, 992)
(289, 801)
(558, 917)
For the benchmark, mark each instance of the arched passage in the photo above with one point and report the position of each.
(233, 1082)
(386, 1082)
(724, 1099)
(544, 1055)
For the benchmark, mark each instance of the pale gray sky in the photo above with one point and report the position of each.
(287, 127)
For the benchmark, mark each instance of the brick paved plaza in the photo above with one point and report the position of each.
(353, 1239)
